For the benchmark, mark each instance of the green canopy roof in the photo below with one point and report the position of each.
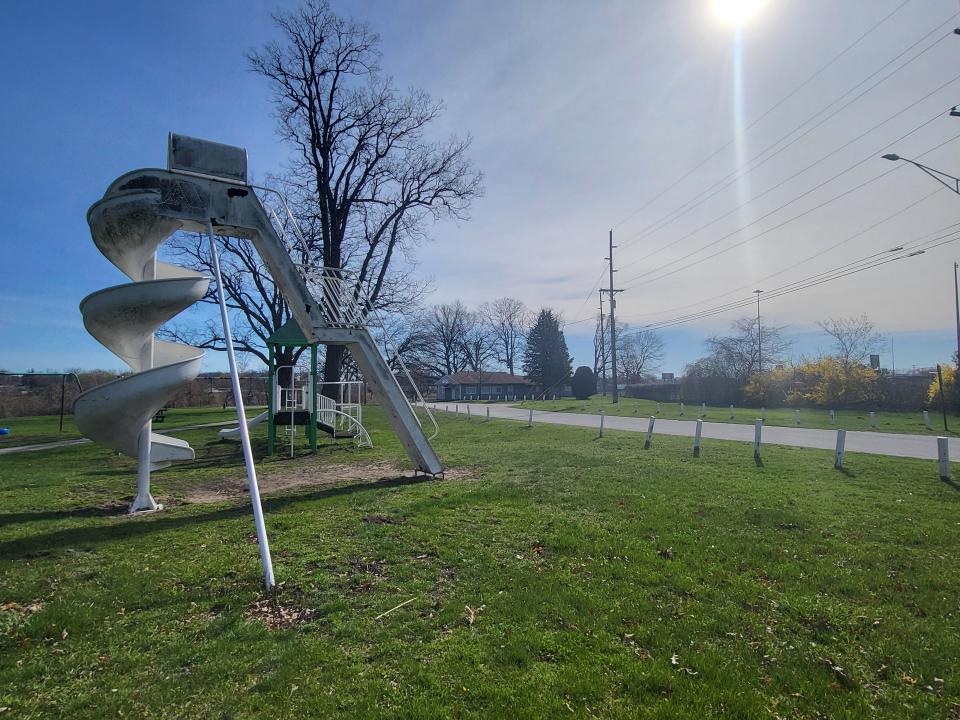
(288, 335)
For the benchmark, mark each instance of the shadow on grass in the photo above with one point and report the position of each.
(951, 483)
(137, 525)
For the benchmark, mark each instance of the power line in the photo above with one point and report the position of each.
(842, 271)
(744, 169)
(593, 289)
(808, 167)
(779, 225)
(817, 254)
(769, 110)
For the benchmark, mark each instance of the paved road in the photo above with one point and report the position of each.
(912, 446)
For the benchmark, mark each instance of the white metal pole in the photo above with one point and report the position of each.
(242, 421)
(144, 500)
(758, 430)
(796, 415)
(696, 439)
(601, 423)
(658, 408)
(731, 412)
(649, 438)
(873, 420)
(943, 454)
(841, 441)
(926, 418)
(530, 419)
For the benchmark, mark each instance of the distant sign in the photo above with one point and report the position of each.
(875, 362)
(666, 376)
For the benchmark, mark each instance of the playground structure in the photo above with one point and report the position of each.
(297, 399)
(205, 189)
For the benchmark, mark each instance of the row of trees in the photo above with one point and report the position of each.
(499, 335)
(731, 371)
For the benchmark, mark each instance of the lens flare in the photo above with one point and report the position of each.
(736, 12)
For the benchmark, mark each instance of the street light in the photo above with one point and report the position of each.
(938, 175)
(953, 184)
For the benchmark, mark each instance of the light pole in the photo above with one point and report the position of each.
(956, 304)
(953, 184)
(759, 335)
(945, 179)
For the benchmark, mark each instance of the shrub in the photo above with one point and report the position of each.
(584, 383)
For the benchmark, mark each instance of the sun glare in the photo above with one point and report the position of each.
(736, 12)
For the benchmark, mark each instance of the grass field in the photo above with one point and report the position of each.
(552, 574)
(887, 420)
(46, 428)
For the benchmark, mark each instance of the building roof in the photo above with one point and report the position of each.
(486, 378)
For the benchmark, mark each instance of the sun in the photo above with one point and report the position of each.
(736, 12)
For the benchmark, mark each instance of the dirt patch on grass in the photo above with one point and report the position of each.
(307, 476)
(282, 609)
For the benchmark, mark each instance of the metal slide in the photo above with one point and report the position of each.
(205, 182)
(235, 432)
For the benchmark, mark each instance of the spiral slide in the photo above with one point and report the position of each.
(124, 318)
(204, 186)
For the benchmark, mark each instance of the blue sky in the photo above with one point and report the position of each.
(580, 113)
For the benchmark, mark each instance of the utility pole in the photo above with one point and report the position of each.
(615, 391)
(759, 336)
(603, 348)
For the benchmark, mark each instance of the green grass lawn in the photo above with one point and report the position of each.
(552, 574)
(893, 421)
(46, 428)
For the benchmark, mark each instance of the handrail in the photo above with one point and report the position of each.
(365, 441)
(406, 372)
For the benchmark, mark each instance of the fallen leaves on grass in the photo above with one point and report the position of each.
(279, 612)
(637, 650)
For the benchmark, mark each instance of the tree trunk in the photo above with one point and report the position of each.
(332, 365)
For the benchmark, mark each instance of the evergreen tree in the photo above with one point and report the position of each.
(546, 360)
(584, 383)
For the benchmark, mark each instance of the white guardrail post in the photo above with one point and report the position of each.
(530, 418)
(649, 438)
(757, 432)
(841, 441)
(696, 439)
(943, 455)
(601, 423)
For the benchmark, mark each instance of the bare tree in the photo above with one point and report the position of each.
(601, 361)
(736, 355)
(256, 303)
(639, 352)
(440, 343)
(853, 338)
(368, 181)
(479, 347)
(508, 321)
